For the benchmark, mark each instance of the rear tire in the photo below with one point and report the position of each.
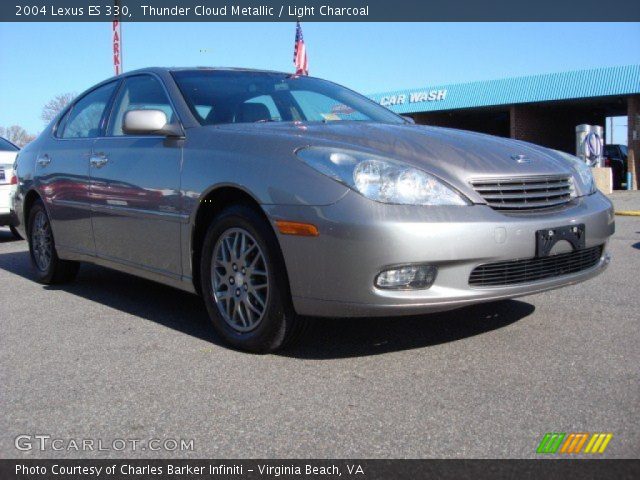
(244, 282)
(48, 267)
(15, 232)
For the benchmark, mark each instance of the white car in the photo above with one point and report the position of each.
(8, 184)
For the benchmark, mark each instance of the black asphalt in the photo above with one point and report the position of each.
(112, 356)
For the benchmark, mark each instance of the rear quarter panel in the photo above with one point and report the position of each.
(25, 168)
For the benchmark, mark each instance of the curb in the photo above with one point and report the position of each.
(628, 213)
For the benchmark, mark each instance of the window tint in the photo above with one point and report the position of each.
(615, 151)
(266, 105)
(318, 107)
(220, 96)
(203, 110)
(6, 146)
(142, 92)
(61, 123)
(84, 119)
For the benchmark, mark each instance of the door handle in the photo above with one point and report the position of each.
(98, 161)
(44, 160)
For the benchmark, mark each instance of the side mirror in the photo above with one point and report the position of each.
(408, 119)
(149, 122)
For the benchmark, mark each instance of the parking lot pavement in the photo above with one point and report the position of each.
(626, 200)
(116, 357)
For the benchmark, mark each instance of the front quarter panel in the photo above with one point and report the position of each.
(262, 165)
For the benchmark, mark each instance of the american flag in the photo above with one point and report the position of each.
(300, 53)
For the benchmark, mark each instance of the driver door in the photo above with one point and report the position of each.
(135, 185)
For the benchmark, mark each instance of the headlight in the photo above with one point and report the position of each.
(381, 179)
(583, 172)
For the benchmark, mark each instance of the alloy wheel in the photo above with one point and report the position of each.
(42, 241)
(239, 278)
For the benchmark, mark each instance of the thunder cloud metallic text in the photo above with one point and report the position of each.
(257, 11)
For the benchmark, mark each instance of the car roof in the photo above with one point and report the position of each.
(181, 69)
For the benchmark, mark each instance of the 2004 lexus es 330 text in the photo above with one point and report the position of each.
(277, 196)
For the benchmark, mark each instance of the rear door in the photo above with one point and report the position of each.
(135, 185)
(62, 169)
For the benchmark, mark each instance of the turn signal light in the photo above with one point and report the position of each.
(297, 228)
(14, 180)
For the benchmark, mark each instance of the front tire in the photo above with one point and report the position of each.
(244, 282)
(49, 268)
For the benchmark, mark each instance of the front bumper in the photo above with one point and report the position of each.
(8, 219)
(333, 274)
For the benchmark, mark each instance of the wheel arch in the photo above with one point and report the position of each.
(211, 203)
(30, 199)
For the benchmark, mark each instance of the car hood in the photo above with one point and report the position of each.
(457, 156)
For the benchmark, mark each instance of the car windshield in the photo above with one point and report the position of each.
(7, 146)
(221, 96)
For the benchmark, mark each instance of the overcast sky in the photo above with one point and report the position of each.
(40, 60)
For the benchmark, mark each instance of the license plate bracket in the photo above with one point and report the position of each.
(547, 238)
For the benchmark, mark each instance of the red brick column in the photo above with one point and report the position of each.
(633, 140)
(552, 127)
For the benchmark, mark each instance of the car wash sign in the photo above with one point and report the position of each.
(413, 97)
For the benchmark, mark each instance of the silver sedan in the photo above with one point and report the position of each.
(277, 197)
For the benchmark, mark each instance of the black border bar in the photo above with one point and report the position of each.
(322, 10)
(369, 469)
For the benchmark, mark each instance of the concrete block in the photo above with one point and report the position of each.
(604, 179)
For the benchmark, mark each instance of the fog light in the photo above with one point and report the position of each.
(407, 277)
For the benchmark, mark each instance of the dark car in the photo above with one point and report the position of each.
(616, 158)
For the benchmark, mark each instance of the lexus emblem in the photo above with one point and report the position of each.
(521, 158)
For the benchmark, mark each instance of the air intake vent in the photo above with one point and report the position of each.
(512, 272)
(525, 193)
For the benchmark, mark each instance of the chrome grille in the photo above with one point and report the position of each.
(512, 272)
(525, 193)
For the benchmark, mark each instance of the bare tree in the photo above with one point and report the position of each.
(17, 135)
(53, 107)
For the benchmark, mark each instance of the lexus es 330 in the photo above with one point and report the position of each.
(277, 197)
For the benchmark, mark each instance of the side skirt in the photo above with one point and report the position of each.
(166, 278)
